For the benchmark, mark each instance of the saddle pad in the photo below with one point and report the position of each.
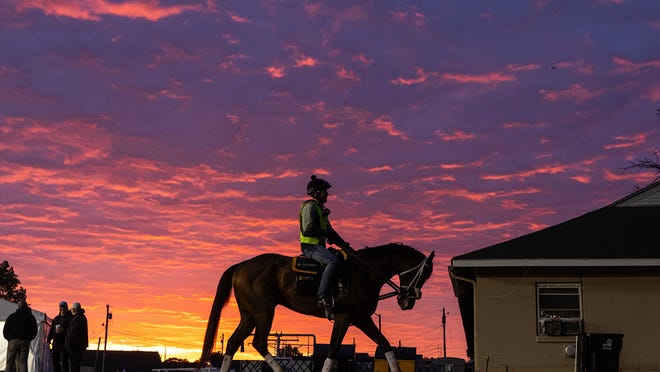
(302, 264)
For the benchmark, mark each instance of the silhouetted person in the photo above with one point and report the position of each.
(56, 334)
(315, 230)
(20, 328)
(76, 339)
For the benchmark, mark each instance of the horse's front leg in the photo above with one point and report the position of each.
(369, 328)
(338, 332)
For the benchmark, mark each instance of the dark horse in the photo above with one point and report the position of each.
(265, 281)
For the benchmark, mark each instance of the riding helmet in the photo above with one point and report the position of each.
(316, 185)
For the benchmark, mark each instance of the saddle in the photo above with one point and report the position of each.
(308, 274)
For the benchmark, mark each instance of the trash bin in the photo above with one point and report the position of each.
(603, 351)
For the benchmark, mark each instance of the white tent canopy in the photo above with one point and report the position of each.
(39, 359)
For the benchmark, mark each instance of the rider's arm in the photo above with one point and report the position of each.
(336, 239)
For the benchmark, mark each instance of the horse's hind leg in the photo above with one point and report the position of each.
(264, 322)
(242, 331)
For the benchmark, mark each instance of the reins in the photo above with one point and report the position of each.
(413, 283)
(397, 290)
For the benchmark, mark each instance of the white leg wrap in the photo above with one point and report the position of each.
(226, 363)
(391, 360)
(327, 365)
(273, 363)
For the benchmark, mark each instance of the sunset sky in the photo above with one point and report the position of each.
(146, 145)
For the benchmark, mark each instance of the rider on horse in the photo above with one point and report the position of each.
(315, 230)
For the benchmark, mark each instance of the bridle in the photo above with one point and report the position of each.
(414, 289)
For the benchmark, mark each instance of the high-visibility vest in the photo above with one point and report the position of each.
(324, 225)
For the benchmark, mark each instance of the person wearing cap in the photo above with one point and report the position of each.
(56, 334)
(20, 328)
(77, 338)
(315, 231)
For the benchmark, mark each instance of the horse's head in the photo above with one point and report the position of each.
(412, 281)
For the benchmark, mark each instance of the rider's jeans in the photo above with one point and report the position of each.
(320, 254)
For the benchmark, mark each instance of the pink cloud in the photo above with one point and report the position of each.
(71, 141)
(312, 9)
(624, 65)
(479, 196)
(528, 67)
(518, 124)
(422, 76)
(93, 10)
(582, 179)
(276, 72)
(477, 163)
(627, 141)
(413, 15)
(171, 94)
(652, 94)
(380, 169)
(324, 141)
(305, 61)
(363, 59)
(575, 92)
(488, 79)
(301, 59)
(386, 125)
(238, 19)
(458, 135)
(443, 178)
(638, 177)
(345, 74)
(548, 169)
(174, 53)
(513, 205)
(6, 71)
(579, 66)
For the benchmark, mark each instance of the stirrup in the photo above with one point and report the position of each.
(327, 304)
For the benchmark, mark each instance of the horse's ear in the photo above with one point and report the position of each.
(431, 256)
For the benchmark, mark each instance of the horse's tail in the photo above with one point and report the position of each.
(221, 298)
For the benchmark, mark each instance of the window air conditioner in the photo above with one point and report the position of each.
(572, 326)
(551, 326)
(560, 326)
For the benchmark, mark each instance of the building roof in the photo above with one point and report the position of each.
(624, 233)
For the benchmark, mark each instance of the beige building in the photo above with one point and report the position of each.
(527, 303)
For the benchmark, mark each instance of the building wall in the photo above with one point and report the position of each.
(506, 337)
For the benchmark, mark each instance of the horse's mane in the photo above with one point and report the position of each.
(378, 250)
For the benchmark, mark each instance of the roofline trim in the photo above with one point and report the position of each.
(550, 262)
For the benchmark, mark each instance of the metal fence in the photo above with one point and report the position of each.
(304, 366)
(343, 366)
(287, 365)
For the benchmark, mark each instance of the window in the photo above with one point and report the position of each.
(559, 309)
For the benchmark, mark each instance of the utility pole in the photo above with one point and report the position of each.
(108, 316)
(379, 324)
(96, 356)
(444, 338)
